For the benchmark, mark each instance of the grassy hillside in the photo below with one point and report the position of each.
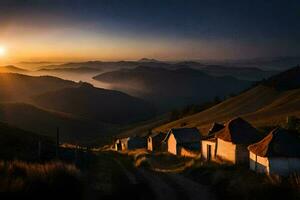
(267, 104)
(16, 143)
(82, 112)
(44, 122)
(17, 87)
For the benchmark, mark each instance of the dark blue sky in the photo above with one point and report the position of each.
(202, 29)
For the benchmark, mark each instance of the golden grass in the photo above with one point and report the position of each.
(19, 176)
(261, 106)
(159, 161)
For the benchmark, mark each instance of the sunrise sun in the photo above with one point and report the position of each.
(2, 51)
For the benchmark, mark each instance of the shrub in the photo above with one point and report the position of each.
(32, 178)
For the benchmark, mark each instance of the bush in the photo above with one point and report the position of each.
(31, 179)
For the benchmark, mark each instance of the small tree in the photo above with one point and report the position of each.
(292, 123)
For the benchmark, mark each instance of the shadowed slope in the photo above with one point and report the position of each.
(269, 103)
(45, 122)
(96, 104)
(171, 88)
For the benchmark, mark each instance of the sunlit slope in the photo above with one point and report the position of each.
(261, 105)
(276, 112)
(18, 87)
(45, 122)
(267, 104)
(248, 102)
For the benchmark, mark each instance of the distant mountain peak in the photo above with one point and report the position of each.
(148, 60)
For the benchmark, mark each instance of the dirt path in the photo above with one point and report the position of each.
(193, 190)
(131, 177)
(167, 185)
(160, 188)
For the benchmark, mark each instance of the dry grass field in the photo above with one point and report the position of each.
(261, 106)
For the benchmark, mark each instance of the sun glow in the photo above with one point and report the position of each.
(2, 51)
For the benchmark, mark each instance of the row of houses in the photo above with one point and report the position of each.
(239, 142)
(236, 142)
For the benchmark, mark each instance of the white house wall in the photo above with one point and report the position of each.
(204, 149)
(149, 144)
(226, 150)
(279, 166)
(172, 145)
(258, 163)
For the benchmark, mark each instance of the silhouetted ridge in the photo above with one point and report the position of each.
(287, 80)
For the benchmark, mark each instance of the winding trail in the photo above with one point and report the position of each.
(131, 177)
(155, 185)
(193, 190)
(160, 188)
(168, 185)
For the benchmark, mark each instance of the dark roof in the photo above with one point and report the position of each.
(158, 137)
(278, 143)
(215, 128)
(137, 141)
(185, 135)
(238, 131)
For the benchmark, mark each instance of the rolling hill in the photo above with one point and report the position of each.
(19, 144)
(84, 70)
(225, 69)
(267, 104)
(17, 87)
(108, 66)
(45, 122)
(84, 113)
(171, 88)
(12, 69)
(243, 73)
(96, 104)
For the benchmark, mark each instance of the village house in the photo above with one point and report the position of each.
(215, 128)
(183, 142)
(233, 140)
(121, 144)
(155, 141)
(130, 143)
(208, 144)
(277, 153)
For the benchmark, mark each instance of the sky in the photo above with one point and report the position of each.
(80, 30)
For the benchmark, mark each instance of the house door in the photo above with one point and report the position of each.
(208, 152)
(119, 146)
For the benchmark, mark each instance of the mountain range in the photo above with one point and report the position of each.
(168, 88)
(243, 73)
(239, 72)
(40, 104)
(71, 70)
(268, 103)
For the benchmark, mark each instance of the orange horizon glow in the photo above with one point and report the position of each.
(72, 44)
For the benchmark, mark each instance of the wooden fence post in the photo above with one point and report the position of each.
(57, 142)
(39, 149)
